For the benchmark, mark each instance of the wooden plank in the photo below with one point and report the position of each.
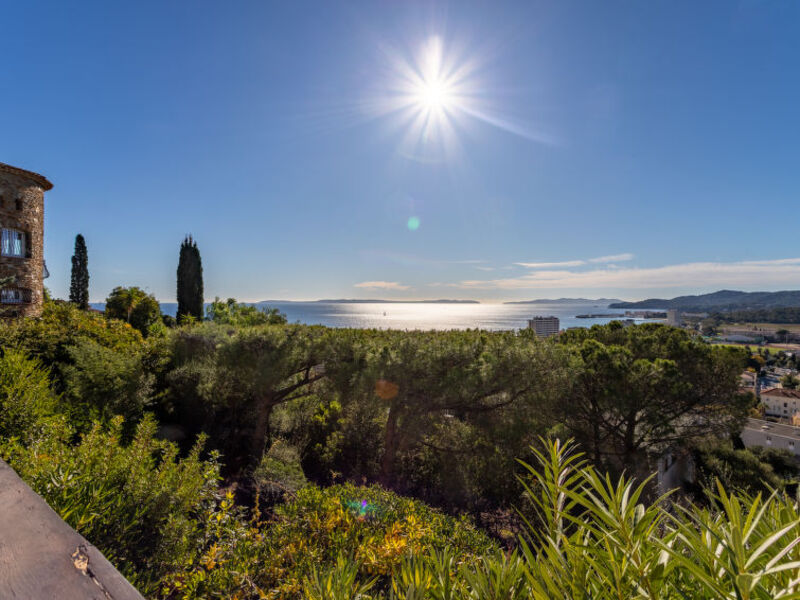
(41, 557)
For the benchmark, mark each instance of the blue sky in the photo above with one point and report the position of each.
(627, 149)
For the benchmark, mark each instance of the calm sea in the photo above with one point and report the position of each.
(432, 315)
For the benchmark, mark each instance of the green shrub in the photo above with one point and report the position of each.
(596, 538)
(372, 529)
(101, 383)
(230, 312)
(25, 394)
(53, 337)
(135, 306)
(63, 325)
(279, 471)
(749, 470)
(599, 539)
(140, 504)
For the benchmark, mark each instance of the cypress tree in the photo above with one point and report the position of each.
(190, 281)
(79, 281)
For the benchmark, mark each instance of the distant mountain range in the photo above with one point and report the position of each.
(605, 301)
(357, 301)
(721, 301)
(171, 308)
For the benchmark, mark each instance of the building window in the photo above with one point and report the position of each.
(15, 296)
(13, 243)
(18, 204)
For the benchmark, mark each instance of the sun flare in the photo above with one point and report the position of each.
(433, 89)
(434, 95)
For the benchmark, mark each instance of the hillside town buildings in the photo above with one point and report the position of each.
(674, 317)
(781, 402)
(771, 435)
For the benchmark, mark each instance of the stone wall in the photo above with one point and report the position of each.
(22, 208)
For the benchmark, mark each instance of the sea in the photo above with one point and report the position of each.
(433, 315)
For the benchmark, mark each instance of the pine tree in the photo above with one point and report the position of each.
(79, 282)
(190, 281)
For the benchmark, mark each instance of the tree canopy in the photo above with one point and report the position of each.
(639, 390)
(79, 280)
(135, 306)
(190, 281)
(230, 312)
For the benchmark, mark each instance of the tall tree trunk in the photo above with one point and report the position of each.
(261, 433)
(391, 441)
(629, 443)
(596, 433)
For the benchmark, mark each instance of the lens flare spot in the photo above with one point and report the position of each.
(386, 390)
(362, 510)
(413, 223)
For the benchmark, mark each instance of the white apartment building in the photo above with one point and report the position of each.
(771, 435)
(780, 402)
(544, 326)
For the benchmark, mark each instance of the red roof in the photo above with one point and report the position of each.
(782, 393)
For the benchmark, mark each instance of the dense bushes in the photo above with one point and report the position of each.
(61, 326)
(751, 470)
(101, 367)
(440, 416)
(595, 538)
(25, 395)
(589, 537)
(227, 381)
(279, 471)
(230, 312)
(437, 415)
(134, 306)
(100, 383)
(366, 527)
(137, 502)
(637, 391)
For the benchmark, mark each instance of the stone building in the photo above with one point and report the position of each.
(22, 241)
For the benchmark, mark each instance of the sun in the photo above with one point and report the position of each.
(434, 95)
(427, 93)
(432, 86)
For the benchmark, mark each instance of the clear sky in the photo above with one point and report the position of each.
(487, 150)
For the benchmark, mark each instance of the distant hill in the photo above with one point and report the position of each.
(722, 301)
(171, 308)
(369, 301)
(357, 301)
(605, 301)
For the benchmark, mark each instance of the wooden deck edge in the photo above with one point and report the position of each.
(41, 557)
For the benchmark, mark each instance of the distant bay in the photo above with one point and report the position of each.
(431, 315)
